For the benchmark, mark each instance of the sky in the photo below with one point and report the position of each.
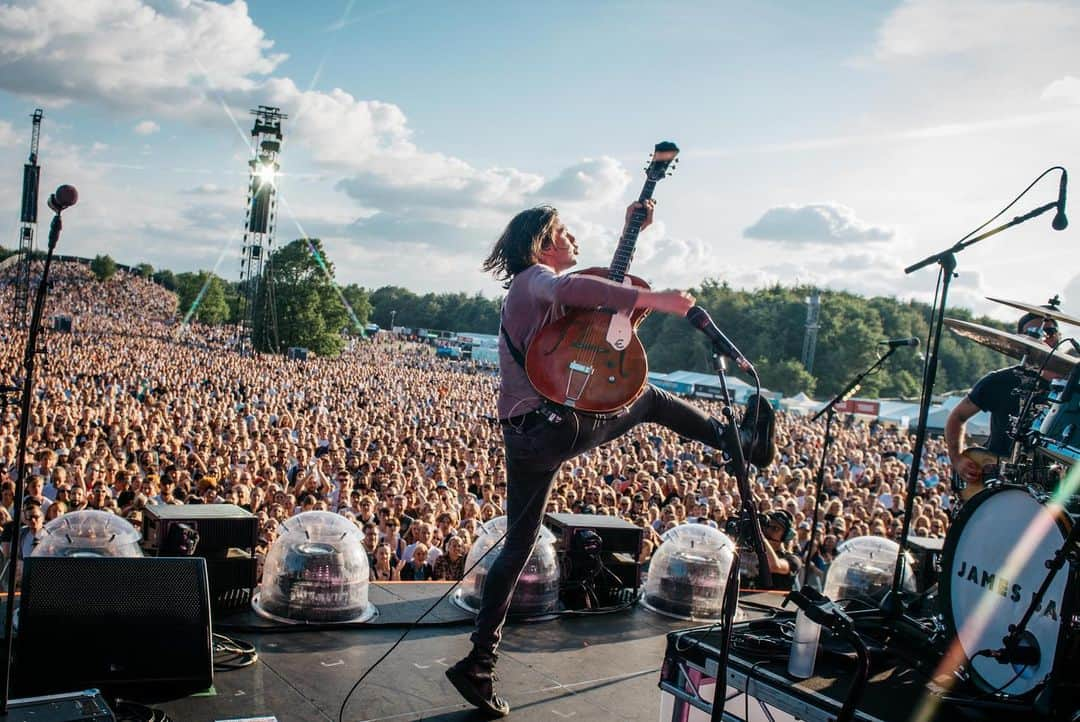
(822, 143)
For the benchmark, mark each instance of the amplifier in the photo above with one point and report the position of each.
(620, 542)
(87, 706)
(221, 527)
(227, 537)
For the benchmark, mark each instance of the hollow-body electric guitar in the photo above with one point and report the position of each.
(591, 359)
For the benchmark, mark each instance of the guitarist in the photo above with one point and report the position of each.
(531, 256)
(995, 393)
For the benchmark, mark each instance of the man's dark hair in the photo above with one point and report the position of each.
(519, 246)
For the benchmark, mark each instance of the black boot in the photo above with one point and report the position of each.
(474, 677)
(758, 426)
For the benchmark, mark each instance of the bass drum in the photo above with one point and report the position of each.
(993, 562)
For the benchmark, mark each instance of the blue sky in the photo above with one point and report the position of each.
(828, 143)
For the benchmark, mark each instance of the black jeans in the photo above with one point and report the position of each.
(534, 453)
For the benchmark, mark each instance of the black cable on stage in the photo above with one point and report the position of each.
(412, 625)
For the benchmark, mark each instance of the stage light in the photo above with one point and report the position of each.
(537, 592)
(266, 172)
(88, 533)
(315, 572)
(688, 574)
(863, 570)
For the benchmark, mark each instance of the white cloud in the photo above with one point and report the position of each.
(935, 28)
(129, 54)
(1067, 88)
(147, 127)
(601, 180)
(8, 136)
(819, 223)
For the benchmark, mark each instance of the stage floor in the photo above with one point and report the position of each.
(604, 667)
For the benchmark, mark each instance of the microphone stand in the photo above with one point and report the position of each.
(20, 460)
(829, 411)
(749, 524)
(892, 606)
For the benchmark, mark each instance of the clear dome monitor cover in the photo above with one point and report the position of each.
(863, 569)
(537, 592)
(89, 533)
(316, 572)
(688, 573)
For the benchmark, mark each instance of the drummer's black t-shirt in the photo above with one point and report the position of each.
(994, 393)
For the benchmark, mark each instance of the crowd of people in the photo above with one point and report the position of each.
(134, 408)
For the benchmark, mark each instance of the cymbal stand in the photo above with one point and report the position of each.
(946, 260)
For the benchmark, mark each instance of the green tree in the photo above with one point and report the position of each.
(359, 310)
(166, 279)
(145, 270)
(202, 297)
(298, 298)
(103, 266)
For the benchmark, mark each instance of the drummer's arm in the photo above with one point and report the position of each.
(954, 438)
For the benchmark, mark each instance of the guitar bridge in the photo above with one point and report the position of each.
(576, 381)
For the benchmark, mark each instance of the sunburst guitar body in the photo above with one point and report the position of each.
(591, 359)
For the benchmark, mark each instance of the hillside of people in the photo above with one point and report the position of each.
(135, 408)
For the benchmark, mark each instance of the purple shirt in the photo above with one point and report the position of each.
(538, 296)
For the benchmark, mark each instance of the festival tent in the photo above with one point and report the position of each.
(977, 425)
(801, 404)
(708, 385)
(899, 413)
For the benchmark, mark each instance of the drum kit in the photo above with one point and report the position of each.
(1009, 589)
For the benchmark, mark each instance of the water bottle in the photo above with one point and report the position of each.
(804, 644)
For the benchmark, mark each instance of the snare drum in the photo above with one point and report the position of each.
(993, 562)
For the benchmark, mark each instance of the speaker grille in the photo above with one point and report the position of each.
(136, 627)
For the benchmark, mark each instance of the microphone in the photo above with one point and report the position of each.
(898, 342)
(1060, 222)
(65, 197)
(699, 318)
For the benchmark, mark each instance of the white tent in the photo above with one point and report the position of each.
(800, 404)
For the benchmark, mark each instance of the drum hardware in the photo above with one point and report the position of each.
(1017, 643)
(991, 570)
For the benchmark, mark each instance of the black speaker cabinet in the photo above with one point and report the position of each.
(62, 324)
(135, 627)
(621, 542)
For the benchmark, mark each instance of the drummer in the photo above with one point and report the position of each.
(994, 393)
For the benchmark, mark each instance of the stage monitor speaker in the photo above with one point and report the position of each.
(134, 627)
(62, 324)
(297, 353)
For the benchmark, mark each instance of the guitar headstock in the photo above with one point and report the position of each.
(665, 156)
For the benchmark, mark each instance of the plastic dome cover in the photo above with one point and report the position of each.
(316, 571)
(863, 569)
(688, 574)
(89, 533)
(537, 592)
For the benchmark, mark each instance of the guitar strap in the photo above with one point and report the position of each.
(518, 356)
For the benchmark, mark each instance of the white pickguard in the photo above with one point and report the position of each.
(620, 331)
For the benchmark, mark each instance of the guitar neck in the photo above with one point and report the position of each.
(620, 263)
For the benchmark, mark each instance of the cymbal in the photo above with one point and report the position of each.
(1038, 311)
(1014, 345)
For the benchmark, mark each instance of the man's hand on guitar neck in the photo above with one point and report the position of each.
(673, 302)
(649, 206)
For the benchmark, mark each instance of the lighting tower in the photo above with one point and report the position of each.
(259, 222)
(27, 223)
(813, 313)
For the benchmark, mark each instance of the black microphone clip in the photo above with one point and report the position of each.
(1060, 222)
